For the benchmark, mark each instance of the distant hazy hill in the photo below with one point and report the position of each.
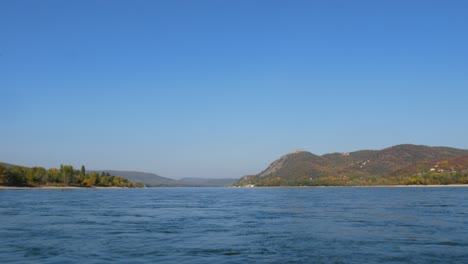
(149, 179)
(7, 165)
(360, 167)
(154, 180)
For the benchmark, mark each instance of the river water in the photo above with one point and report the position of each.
(235, 225)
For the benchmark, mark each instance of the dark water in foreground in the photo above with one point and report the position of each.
(230, 225)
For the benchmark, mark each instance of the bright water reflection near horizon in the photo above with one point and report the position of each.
(232, 225)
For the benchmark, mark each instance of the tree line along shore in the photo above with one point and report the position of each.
(426, 178)
(66, 175)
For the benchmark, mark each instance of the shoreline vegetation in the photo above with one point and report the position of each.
(429, 178)
(65, 177)
(446, 178)
(3, 188)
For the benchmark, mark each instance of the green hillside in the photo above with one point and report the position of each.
(401, 164)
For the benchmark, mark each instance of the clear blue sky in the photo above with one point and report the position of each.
(222, 88)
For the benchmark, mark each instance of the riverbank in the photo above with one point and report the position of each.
(412, 186)
(58, 188)
(110, 188)
(362, 186)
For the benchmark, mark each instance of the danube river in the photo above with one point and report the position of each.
(235, 225)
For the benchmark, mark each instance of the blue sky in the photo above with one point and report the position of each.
(222, 88)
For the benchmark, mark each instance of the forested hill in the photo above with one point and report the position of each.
(66, 175)
(401, 164)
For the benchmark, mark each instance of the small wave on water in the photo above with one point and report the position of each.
(232, 225)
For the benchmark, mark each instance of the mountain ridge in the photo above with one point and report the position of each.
(382, 166)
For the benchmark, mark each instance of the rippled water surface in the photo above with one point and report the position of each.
(232, 225)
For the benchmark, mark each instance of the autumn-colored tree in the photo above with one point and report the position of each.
(93, 176)
(87, 182)
(53, 175)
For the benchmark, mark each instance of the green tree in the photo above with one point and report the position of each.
(53, 175)
(36, 175)
(98, 180)
(30, 177)
(3, 179)
(116, 181)
(41, 175)
(67, 174)
(93, 178)
(105, 181)
(16, 176)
